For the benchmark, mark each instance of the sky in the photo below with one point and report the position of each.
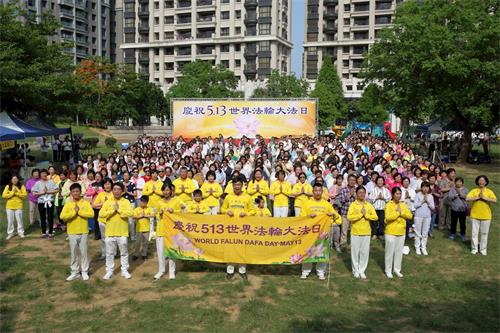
(297, 35)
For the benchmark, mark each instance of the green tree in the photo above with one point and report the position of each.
(34, 75)
(441, 59)
(370, 107)
(282, 86)
(328, 91)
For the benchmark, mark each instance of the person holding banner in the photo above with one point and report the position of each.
(258, 186)
(360, 214)
(116, 212)
(237, 205)
(302, 191)
(312, 208)
(76, 213)
(260, 208)
(396, 215)
(281, 189)
(184, 186)
(211, 192)
(169, 205)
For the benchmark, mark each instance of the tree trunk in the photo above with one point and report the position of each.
(466, 146)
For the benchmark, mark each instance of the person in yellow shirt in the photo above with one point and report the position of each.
(280, 189)
(152, 189)
(198, 205)
(396, 214)
(76, 213)
(360, 213)
(99, 201)
(170, 204)
(184, 186)
(229, 185)
(143, 215)
(14, 193)
(261, 209)
(116, 212)
(312, 208)
(481, 199)
(302, 191)
(237, 205)
(211, 193)
(258, 186)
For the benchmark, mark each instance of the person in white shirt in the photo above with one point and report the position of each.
(379, 197)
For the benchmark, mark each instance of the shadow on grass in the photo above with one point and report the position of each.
(478, 312)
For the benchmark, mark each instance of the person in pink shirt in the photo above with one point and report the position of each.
(395, 181)
(32, 199)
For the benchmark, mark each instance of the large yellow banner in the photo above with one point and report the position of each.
(237, 118)
(247, 240)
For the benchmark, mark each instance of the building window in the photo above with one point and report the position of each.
(237, 30)
(168, 20)
(168, 35)
(157, 20)
(224, 48)
(129, 7)
(129, 22)
(237, 47)
(237, 63)
(264, 29)
(345, 63)
(224, 15)
(157, 66)
(238, 14)
(348, 87)
(156, 5)
(264, 11)
(224, 31)
(264, 62)
(168, 66)
(157, 51)
(168, 51)
(129, 38)
(157, 36)
(347, 8)
(347, 35)
(225, 63)
(265, 45)
(347, 21)
(345, 49)
(225, 1)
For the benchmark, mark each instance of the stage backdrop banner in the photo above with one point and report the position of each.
(247, 240)
(237, 118)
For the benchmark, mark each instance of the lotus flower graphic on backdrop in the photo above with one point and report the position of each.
(297, 258)
(199, 252)
(183, 243)
(315, 251)
(323, 235)
(247, 125)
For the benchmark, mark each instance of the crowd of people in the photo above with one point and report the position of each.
(373, 190)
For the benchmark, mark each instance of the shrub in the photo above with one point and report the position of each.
(110, 141)
(90, 142)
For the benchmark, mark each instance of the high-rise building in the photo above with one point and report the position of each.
(85, 23)
(249, 37)
(344, 30)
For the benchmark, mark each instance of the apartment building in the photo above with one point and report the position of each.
(84, 23)
(344, 30)
(249, 37)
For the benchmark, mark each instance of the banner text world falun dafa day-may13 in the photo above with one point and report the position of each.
(248, 240)
(237, 118)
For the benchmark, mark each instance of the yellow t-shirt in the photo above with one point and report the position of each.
(142, 220)
(300, 198)
(480, 209)
(77, 224)
(189, 187)
(360, 224)
(116, 222)
(395, 222)
(212, 200)
(263, 189)
(312, 206)
(176, 204)
(14, 197)
(197, 207)
(229, 188)
(261, 212)
(237, 204)
(100, 199)
(281, 196)
(153, 195)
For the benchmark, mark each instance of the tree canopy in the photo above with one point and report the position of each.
(370, 108)
(441, 59)
(281, 85)
(328, 91)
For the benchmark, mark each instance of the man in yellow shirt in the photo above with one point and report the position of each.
(198, 206)
(152, 189)
(184, 186)
(312, 208)
(237, 205)
(281, 189)
(76, 213)
(143, 215)
(116, 212)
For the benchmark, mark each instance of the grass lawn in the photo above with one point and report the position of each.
(450, 290)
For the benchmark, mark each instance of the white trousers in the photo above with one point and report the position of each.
(111, 244)
(160, 251)
(360, 252)
(297, 211)
(131, 228)
(480, 227)
(422, 225)
(320, 268)
(280, 211)
(102, 229)
(78, 246)
(242, 269)
(213, 210)
(16, 214)
(393, 253)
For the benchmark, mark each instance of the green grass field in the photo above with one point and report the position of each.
(450, 290)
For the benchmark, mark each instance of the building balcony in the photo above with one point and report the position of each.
(66, 13)
(145, 2)
(81, 17)
(144, 75)
(183, 4)
(205, 35)
(201, 3)
(81, 28)
(129, 60)
(330, 28)
(330, 2)
(312, 57)
(184, 21)
(205, 20)
(250, 53)
(81, 53)
(330, 14)
(250, 70)
(81, 40)
(143, 29)
(143, 13)
(312, 16)
(250, 3)
(68, 2)
(80, 4)
(143, 58)
(250, 20)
